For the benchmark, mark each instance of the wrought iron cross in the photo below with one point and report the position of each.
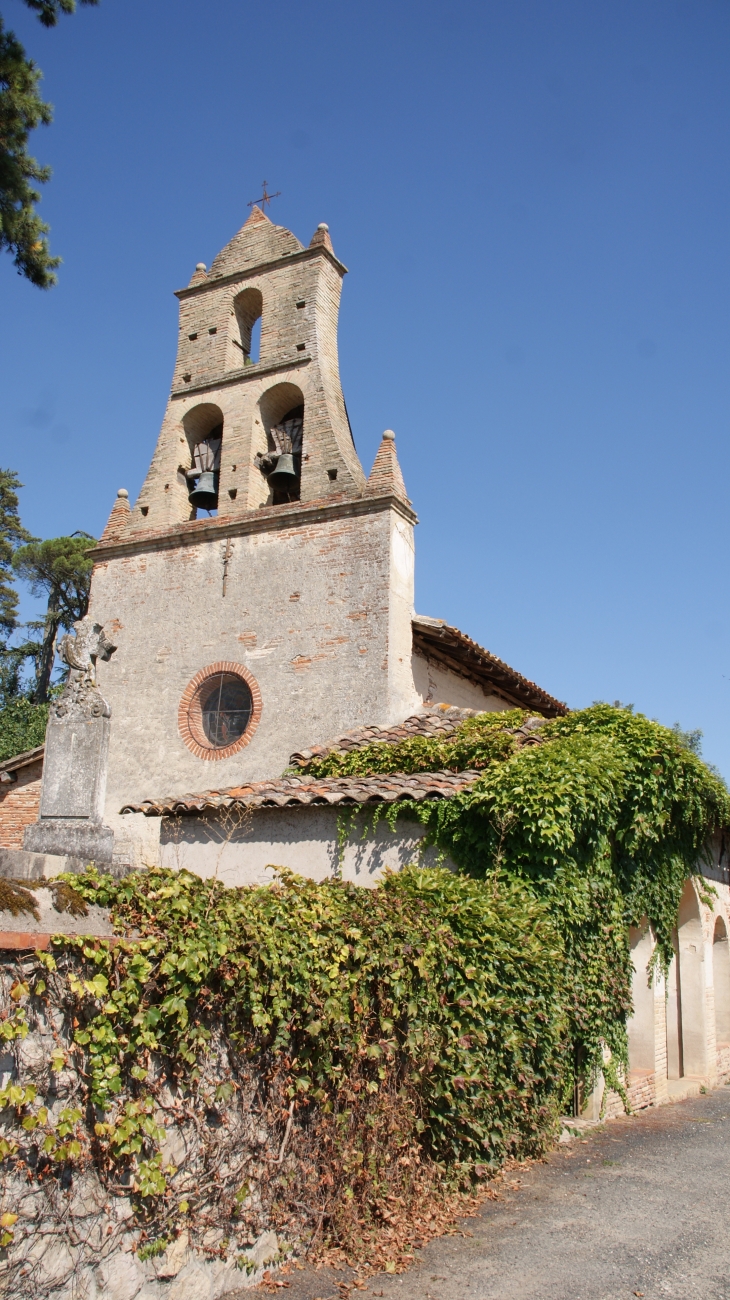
(265, 198)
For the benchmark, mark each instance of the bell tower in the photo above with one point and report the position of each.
(222, 394)
(260, 590)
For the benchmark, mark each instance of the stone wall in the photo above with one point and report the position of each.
(20, 804)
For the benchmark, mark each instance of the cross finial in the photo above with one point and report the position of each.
(265, 198)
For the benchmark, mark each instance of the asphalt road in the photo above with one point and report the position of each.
(639, 1207)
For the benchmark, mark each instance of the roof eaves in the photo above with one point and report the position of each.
(22, 760)
(437, 637)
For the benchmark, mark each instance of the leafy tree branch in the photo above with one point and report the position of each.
(22, 232)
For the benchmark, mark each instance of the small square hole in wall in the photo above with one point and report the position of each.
(187, 378)
(145, 510)
(213, 329)
(332, 474)
(192, 336)
(301, 304)
(233, 493)
(301, 347)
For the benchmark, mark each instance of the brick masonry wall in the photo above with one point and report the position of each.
(19, 805)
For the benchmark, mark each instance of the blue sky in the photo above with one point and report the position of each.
(532, 199)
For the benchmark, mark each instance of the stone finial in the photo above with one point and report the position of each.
(321, 237)
(386, 478)
(200, 275)
(118, 518)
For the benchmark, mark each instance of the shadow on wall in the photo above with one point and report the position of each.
(241, 846)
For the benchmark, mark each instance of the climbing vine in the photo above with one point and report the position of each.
(357, 1046)
(430, 1009)
(603, 821)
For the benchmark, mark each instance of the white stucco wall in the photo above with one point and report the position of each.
(301, 839)
(436, 685)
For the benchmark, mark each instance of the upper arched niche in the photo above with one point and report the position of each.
(200, 421)
(245, 311)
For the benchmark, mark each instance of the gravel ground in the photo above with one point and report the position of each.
(637, 1207)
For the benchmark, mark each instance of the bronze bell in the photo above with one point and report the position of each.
(284, 475)
(204, 495)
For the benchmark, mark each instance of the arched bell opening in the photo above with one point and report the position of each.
(721, 981)
(244, 332)
(641, 1025)
(282, 419)
(203, 428)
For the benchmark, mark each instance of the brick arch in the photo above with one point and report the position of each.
(189, 714)
(246, 309)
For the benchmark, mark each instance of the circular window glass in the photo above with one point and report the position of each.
(226, 709)
(220, 710)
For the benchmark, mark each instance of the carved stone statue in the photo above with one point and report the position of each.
(80, 696)
(75, 763)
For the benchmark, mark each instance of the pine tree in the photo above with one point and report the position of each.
(22, 232)
(60, 569)
(12, 534)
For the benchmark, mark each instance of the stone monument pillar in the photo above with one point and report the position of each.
(75, 764)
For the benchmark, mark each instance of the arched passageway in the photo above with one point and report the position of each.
(675, 1062)
(721, 981)
(641, 1026)
(691, 985)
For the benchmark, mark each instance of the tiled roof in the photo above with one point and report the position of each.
(304, 791)
(435, 639)
(432, 720)
(22, 760)
(297, 791)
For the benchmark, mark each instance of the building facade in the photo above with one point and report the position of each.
(256, 601)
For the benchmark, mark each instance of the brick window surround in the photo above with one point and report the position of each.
(190, 712)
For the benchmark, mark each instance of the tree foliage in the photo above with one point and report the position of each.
(12, 534)
(59, 569)
(22, 726)
(22, 232)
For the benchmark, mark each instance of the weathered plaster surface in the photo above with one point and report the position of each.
(436, 685)
(314, 613)
(304, 840)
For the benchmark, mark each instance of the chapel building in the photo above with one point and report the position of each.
(260, 591)
(253, 611)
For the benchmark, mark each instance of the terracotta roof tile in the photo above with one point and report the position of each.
(297, 791)
(437, 720)
(304, 791)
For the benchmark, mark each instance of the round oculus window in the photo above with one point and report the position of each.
(219, 711)
(226, 707)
